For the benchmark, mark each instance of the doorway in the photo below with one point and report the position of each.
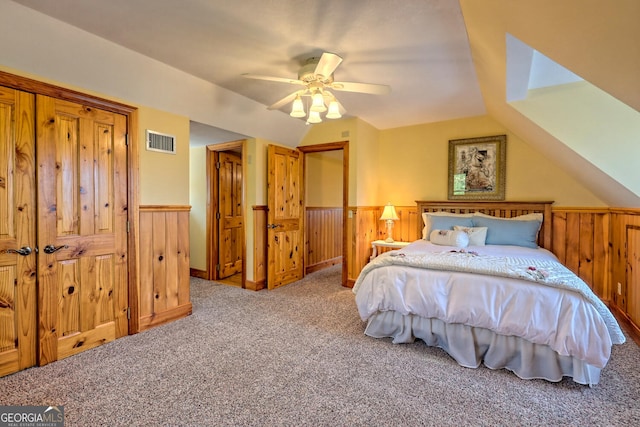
(226, 247)
(342, 146)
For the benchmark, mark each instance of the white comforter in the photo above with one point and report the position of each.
(530, 307)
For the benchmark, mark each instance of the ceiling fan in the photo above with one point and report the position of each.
(316, 75)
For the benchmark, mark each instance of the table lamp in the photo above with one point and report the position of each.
(389, 215)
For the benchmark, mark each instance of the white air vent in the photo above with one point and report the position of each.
(161, 142)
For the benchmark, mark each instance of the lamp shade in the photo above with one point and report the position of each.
(298, 109)
(317, 102)
(314, 117)
(389, 213)
(334, 110)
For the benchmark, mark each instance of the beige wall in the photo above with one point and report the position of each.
(406, 164)
(323, 179)
(164, 178)
(368, 167)
(413, 165)
(363, 154)
(198, 200)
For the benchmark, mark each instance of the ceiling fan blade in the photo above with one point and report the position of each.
(286, 100)
(327, 64)
(273, 79)
(374, 89)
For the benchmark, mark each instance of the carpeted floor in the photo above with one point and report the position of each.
(297, 356)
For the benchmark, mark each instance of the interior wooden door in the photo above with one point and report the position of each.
(82, 227)
(230, 234)
(285, 235)
(633, 275)
(17, 232)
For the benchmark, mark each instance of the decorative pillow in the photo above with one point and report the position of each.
(443, 221)
(477, 235)
(459, 239)
(503, 231)
(536, 216)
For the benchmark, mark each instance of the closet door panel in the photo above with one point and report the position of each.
(17, 232)
(82, 227)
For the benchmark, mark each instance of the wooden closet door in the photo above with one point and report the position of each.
(82, 227)
(17, 232)
(231, 238)
(285, 228)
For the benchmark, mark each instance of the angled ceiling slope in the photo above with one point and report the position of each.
(419, 48)
(586, 119)
(588, 44)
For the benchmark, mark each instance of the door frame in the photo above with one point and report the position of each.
(133, 201)
(334, 146)
(212, 206)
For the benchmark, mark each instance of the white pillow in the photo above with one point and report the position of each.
(428, 226)
(477, 235)
(459, 239)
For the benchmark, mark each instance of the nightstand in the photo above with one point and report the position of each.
(382, 244)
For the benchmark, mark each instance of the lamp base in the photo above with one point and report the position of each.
(389, 238)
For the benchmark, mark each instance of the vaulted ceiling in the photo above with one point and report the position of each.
(419, 48)
(443, 59)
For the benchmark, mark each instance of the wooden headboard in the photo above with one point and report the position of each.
(498, 209)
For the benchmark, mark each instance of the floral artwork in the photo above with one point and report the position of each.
(477, 168)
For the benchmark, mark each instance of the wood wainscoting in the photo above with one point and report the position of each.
(259, 249)
(323, 238)
(600, 245)
(364, 226)
(164, 265)
(323, 241)
(624, 249)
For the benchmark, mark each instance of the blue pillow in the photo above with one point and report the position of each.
(438, 222)
(509, 231)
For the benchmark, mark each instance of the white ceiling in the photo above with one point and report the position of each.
(418, 47)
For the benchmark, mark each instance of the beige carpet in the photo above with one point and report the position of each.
(297, 356)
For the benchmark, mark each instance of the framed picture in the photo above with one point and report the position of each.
(477, 168)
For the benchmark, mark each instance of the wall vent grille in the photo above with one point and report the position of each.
(160, 142)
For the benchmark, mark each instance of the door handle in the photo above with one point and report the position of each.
(24, 251)
(49, 249)
(274, 225)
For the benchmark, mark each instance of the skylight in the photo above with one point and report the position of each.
(585, 118)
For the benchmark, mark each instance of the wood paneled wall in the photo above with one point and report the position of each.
(164, 264)
(323, 237)
(592, 242)
(581, 242)
(259, 249)
(365, 226)
(625, 265)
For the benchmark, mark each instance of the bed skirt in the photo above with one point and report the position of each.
(471, 346)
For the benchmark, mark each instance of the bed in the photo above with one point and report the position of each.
(481, 283)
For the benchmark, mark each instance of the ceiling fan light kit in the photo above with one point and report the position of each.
(317, 103)
(316, 74)
(334, 110)
(314, 117)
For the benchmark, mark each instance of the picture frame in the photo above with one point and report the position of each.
(477, 168)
